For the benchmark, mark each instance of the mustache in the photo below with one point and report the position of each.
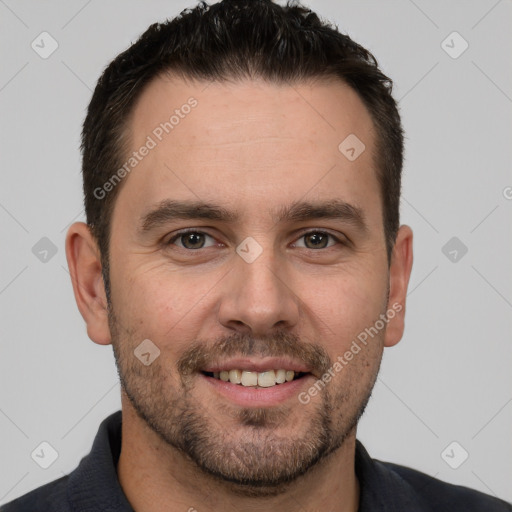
(277, 344)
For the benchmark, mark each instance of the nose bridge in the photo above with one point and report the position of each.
(256, 296)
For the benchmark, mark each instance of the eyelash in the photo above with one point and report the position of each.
(195, 231)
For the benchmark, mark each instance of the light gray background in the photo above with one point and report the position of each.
(449, 378)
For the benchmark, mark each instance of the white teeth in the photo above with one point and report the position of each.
(235, 376)
(280, 376)
(249, 378)
(265, 379)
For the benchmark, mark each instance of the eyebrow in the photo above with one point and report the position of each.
(169, 210)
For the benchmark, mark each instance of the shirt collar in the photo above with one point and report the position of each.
(94, 485)
(383, 489)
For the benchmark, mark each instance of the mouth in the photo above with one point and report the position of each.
(257, 383)
(265, 379)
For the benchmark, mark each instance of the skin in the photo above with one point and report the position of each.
(251, 147)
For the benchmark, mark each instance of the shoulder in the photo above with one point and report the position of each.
(93, 485)
(50, 497)
(444, 497)
(389, 486)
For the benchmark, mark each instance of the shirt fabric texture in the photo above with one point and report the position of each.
(384, 487)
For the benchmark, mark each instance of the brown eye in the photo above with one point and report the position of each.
(190, 240)
(317, 240)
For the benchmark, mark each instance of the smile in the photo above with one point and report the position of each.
(265, 379)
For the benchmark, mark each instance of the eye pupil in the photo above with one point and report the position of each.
(192, 240)
(317, 239)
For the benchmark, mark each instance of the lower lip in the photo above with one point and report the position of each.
(251, 396)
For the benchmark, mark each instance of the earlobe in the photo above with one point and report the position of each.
(399, 274)
(84, 264)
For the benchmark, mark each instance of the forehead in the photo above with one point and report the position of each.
(249, 143)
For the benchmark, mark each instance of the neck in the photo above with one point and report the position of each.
(156, 477)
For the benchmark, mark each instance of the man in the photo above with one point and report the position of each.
(244, 257)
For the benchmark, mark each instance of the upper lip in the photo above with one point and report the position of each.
(258, 365)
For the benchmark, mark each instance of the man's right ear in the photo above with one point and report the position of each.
(84, 264)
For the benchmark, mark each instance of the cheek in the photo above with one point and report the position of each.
(345, 305)
(163, 306)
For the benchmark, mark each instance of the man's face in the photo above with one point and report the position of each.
(255, 152)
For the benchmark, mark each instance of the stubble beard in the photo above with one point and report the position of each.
(251, 460)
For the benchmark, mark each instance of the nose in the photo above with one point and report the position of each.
(258, 297)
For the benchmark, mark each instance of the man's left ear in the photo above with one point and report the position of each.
(399, 273)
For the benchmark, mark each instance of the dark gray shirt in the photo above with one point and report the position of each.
(385, 487)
